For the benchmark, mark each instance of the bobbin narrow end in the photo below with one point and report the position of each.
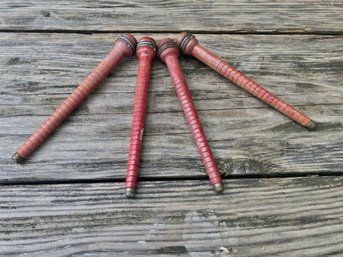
(218, 188)
(130, 193)
(311, 125)
(18, 158)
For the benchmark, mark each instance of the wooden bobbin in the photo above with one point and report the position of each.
(189, 45)
(169, 54)
(124, 46)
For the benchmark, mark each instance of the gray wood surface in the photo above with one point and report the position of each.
(283, 183)
(254, 217)
(301, 16)
(39, 70)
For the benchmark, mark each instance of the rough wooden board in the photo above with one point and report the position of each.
(39, 70)
(254, 217)
(99, 149)
(215, 16)
(41, 64)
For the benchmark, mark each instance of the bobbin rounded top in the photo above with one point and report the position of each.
(167, 46)
(147, 44)
(129, 40)
(186, 42)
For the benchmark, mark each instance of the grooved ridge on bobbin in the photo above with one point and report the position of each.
(132, 44)
(185, 40)
(163, 45)
(145, 42)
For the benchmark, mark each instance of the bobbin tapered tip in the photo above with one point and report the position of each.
(166, 47)
(129, 40)
(18, 158)
(311, 125)
(186, 42)
(218, 188)
(130, 192)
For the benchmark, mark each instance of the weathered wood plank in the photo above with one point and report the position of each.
(254, 217)
(39, 70)
(89, 147)
(54, 63)
(215, 16)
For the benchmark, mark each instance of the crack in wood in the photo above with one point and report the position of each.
(171, 178)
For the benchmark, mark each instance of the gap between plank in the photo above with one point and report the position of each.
(228, 32)
(171, 178)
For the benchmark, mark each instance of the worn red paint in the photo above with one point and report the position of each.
(190, 46)
(146, 53)
(124, 47)
(169, 54)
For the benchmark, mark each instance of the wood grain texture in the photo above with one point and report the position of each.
(39, 70)
(215, 16)
(254, 217)
(176, 212)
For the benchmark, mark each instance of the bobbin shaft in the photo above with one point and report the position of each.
(124, 47)
(146, 53)
(189, 45)
(169, 54)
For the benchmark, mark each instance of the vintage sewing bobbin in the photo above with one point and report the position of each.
(189, 45)
(146, 53)
(169, 53)
(124, 46)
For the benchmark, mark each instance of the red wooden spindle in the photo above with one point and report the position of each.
(189, 45)
(146, 53)
(169, 54)
(124, 47)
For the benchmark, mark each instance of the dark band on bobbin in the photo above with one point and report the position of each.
(186, 42)
(130, 192)
(129, 40)
(18, 158)
(186, 37)
(311, 125)
(165, 44)
(147, 42)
